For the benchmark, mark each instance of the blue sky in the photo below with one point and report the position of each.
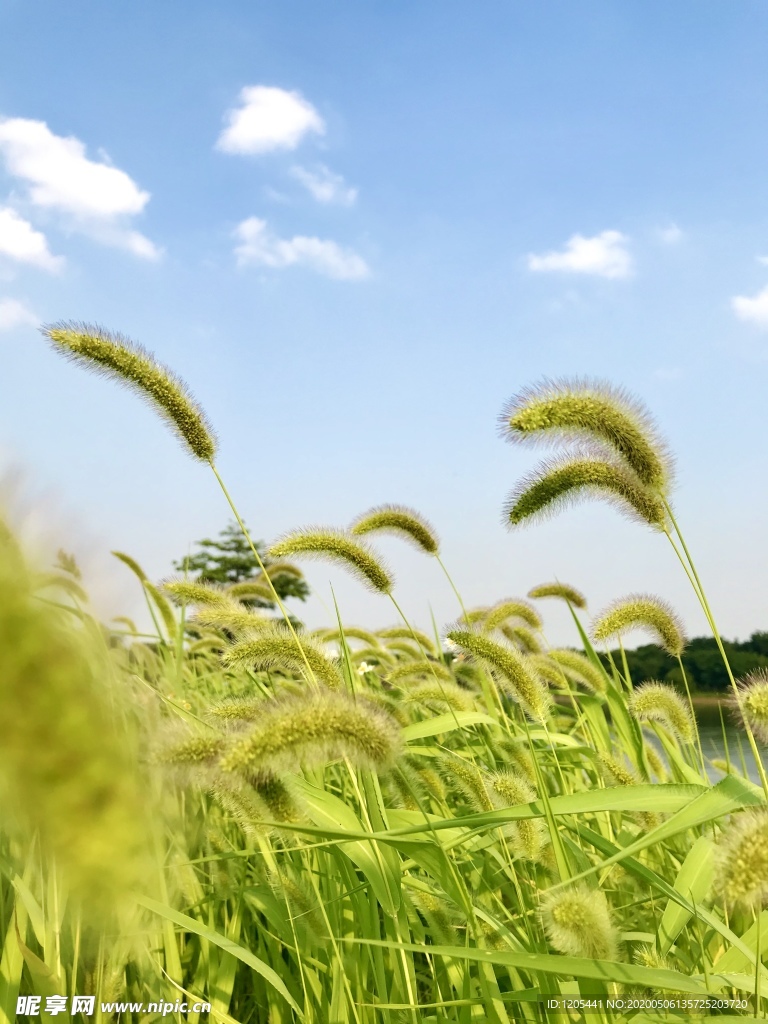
(356, 229)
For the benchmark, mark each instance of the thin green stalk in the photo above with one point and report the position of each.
(260, 563)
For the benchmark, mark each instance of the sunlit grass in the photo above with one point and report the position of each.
(373, 825)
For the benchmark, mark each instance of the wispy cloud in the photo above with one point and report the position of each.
(671, 234)
(15, 314)
(753, 309)
(96, 197)
(325, 186)
(268, 118)
(20, 242)
(258, 245)
(604, 255)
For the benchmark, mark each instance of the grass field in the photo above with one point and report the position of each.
(391, 825)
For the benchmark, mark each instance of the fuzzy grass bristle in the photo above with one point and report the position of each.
(642, 611)
(561, 482)
(523, 684)
(114, 356)
(274, 647)
(312, 730)
(402, 522)
(751, 706)
(565, 592)
(341, 548)
(659, 702)
(511, 608)
(578, 922)
(568, 410)
(742, 860)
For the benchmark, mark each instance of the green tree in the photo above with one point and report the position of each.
(229, 560)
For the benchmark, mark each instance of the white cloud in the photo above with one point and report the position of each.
(96, 198)
(325, 186)
(60, 175)
(15, 314)
(258, 245)
(268, 118)
(20, 241)
(754, 310)
(670, 235)
(763, 260)
(605, 255)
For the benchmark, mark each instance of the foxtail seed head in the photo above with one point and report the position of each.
(527, 836)
(466, 777)
(558, 483)
(251, 590)
(586, 410)
(521, 637)
(752, 704)
(578, 923)
(642, 611)
(573, 596)
(350, 633)
(312, 730)
(743, 860)
(404, 633)
(400, 520)
(189, 592)
(440, 697)
(577, 664)
(524, 685)
(511, 608)
(422, 668)
(275, 648)
(658, 702)
(337, 546)
(115, 356)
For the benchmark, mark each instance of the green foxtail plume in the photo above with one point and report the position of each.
(469, 780)
(524, 685)
(473, 616)
(578, 923)
(189, 592)
(742, 860)
(616, 773)
(275, 648)
(659, 702)
(402, 521)
(440, 916)
(120, 359)
(526, 837)
(521, 637)
(419, 668)
(404, 633)
(233, 617)
(440, 696)
(511, 608)
(573, 596)
(337, 546)
(350, 633)
(251, 590)
(583, 410)
(579, 665)
(234, 710)
(642, 611)
(313, 730)
(558, 483)
(377, 654)
(752, 703)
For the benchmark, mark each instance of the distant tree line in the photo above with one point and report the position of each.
(702, 660)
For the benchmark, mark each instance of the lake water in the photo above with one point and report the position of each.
(713, 743)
